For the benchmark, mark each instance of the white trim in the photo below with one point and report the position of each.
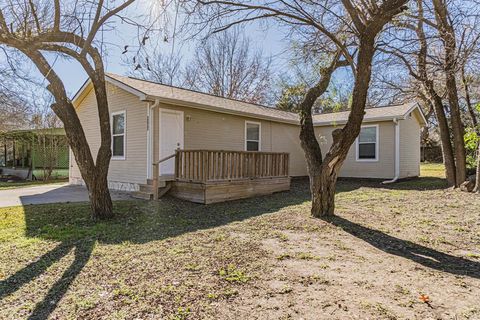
(182, 129)
(121, 85)
(397, 153)
(416, 106)
(357, 159)
(124, 112)
(150, 137)
(259, 134)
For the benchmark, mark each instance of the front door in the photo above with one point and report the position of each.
(170, 137)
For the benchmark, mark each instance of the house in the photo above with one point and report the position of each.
(214, 148)
(34, 154)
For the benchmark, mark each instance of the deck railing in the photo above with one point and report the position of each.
(215, 165)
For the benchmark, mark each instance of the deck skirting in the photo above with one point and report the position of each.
(220, 191)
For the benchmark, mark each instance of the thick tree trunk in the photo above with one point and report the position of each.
(93, 173)
(324, 185)
(436, 101)
(323, 188)
(99, 196)
(447, 148)
(447, 34)
(311, 147)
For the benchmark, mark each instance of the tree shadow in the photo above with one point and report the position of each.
(135, 222)
(425, 256)
(417, 183)
(139, 222)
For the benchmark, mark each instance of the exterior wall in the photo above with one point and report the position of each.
(409, 147)
(212, 130)
(384, 168)
(216, 131)
(123, 174)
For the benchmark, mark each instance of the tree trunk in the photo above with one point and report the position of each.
(436, 101)
(310, 145)
(323, 188)
(343, 139)
(447, 148)
(447, 34)
(468, 99)
(99, 196)
(477, 175)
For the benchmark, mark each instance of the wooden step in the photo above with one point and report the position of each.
(149, 188)
(146, 191)
(142, 195)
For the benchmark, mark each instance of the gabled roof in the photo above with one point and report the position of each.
(189, 98)
(151, 91)
(372, 114)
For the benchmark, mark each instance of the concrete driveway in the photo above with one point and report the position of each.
(53, 193)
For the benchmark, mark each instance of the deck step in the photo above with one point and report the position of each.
(142, 195)
(146, 191)
(149, 188)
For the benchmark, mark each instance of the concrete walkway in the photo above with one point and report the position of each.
(53, 193)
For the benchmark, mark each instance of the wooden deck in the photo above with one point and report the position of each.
(209, 176)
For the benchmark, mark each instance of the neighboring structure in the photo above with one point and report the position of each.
(151, 121)
(34, 154)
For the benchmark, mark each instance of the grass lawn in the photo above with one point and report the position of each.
(261, 258)
(21, 184)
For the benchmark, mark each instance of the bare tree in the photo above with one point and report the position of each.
(349, 29)
(433, 45)
(14, 108)
(451, 65)
(225, 65)
(159, 67)
(69, 28)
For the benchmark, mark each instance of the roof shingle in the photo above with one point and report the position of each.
(170, 94)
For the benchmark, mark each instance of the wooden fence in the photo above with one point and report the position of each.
(215, 165)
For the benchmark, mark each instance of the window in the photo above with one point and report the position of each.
(118, 135)
(252, 136)
(367, 144)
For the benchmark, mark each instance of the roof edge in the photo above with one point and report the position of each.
(201, 106)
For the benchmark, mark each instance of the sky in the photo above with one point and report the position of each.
(270, 41)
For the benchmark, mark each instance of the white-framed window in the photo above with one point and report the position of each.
(119, 130)
(252, 136)
(367, 144)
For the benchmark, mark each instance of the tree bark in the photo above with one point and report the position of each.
(447, 35)
(324, 186)
(436, 101)
(310, 145)
(468, 100)
(447, 148)
(93, 174)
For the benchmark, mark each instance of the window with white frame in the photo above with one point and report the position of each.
(118, 135)
(252, 136)
(367, 144)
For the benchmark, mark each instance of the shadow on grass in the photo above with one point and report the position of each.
(141, 222)
(135, 222)
(414, 184)
(417, 253)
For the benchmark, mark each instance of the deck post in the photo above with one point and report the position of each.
(155, 181)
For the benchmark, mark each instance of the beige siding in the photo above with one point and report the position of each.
(212, 130)
(216, 131)
(409, 147)
(384, 168)
(132, 170)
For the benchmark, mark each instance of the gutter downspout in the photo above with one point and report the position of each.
(150, 136)
(397, 153)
